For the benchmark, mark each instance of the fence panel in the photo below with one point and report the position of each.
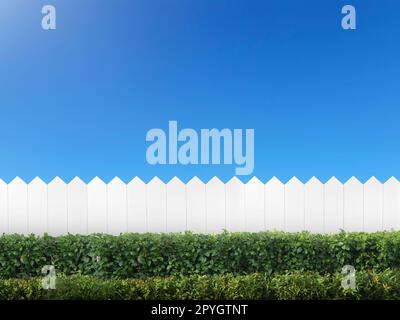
(116, 207)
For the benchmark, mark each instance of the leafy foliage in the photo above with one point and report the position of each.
(292, 285)
(149, 255)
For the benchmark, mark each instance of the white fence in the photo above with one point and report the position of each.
(79, 208)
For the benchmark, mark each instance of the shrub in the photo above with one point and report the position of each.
(292, 285)
(149, 255)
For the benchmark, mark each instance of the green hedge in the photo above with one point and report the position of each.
(294, 285)
(147, 255)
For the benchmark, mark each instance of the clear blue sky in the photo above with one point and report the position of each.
(79, 100)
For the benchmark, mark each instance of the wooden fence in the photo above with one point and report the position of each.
(79, 208)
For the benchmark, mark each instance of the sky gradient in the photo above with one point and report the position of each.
(79, 100)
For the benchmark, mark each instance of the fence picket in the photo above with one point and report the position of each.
(216, 205)
(97, 206)
(137, 207)
(77, 207)
(235, 210)
(57, 207)
(294, 205)
(37, 207)
(333, 206)
(3, 207)
(196, 206)
(156, 206)
(373, 205)
(176, 206)
(117, 214)
(314, 206)
(18, 206)
(391, 204)
(255, 205)
(353, 205)
(275, 205)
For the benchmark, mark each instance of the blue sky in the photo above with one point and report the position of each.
(79, 100)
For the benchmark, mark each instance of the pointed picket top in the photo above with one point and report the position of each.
(116, 181)
(17, 181)
(175, 181)
(136, 180)
(96, 181)
(57, 181)
(37, 181)
(373, 181)
(274, 181)
(353, 181)
(76, 181)
(333, 181)
(313, 181)
(254, 181)
(294, 181)
(156, 181)
(195, 181)
(392, 181)
(215, 181)
(235, 181)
